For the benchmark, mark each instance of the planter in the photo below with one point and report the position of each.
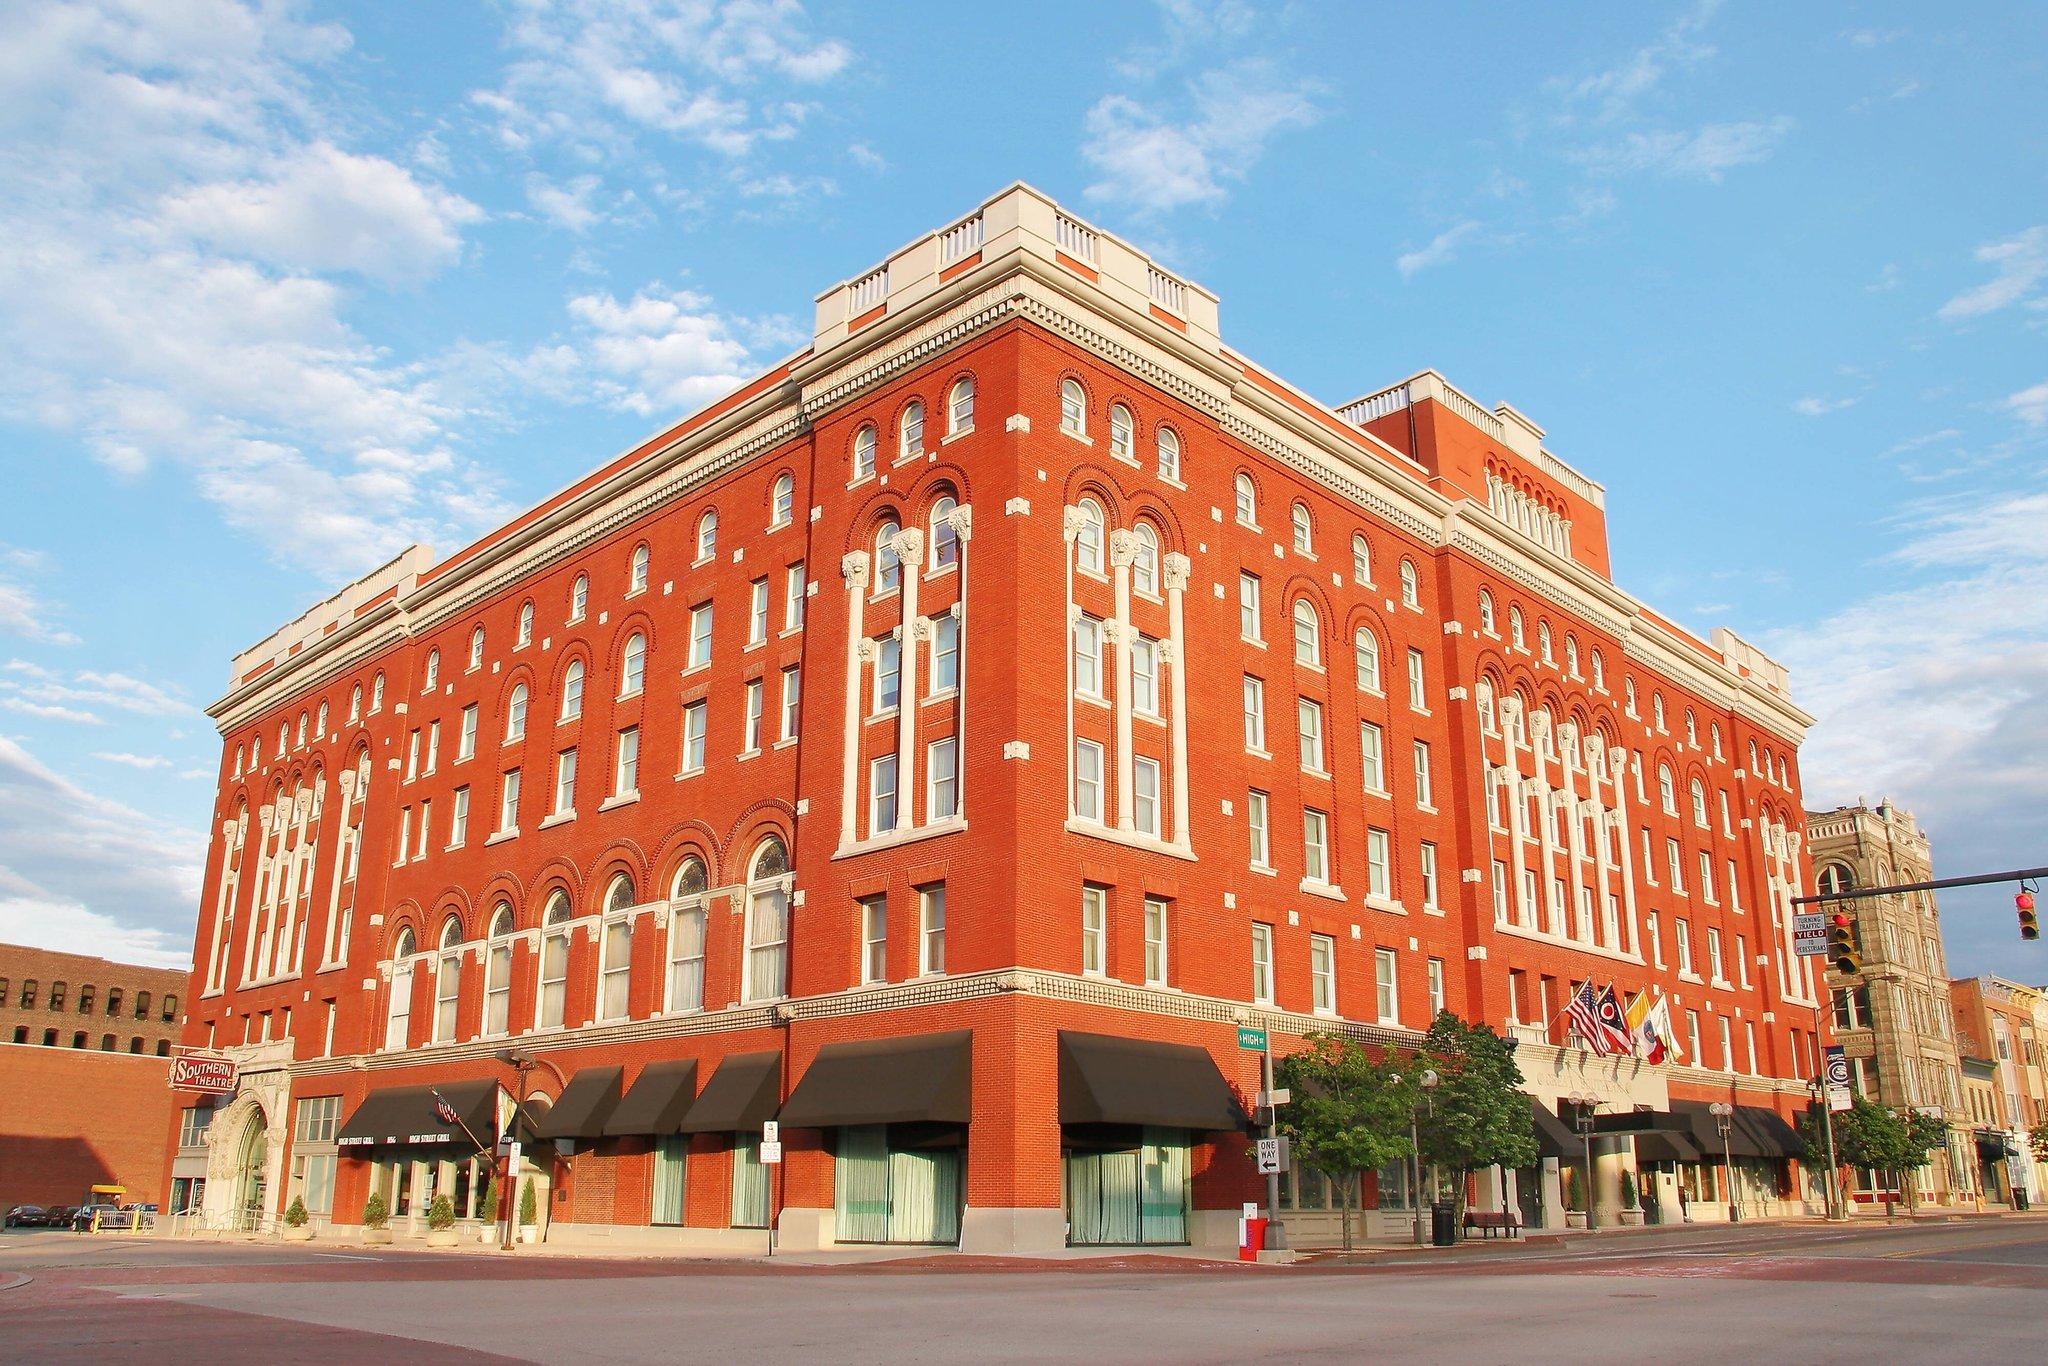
(528, 1233)
(376, 1236)
(487, 1235)
(1631, 1218)
(297, 1235)
(442, 1237)
(1574, 1218)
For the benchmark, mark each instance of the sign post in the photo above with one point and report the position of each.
(1251, 1038)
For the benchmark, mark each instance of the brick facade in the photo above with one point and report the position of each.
(74, 1000)
(1015, 527)
(80, 1119)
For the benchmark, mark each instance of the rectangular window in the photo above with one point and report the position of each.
(465, 746)
(1610, 922)
(1145, 796)
(757, 614)
(412, 756)
(565, 782)
(1087, 780)
(1715, 967)
(874, 940)
(1309, 719)
(1742, 964)
(1145, 676)
(1653, 930)
(931, 939)
(945, 653)
(508, 802)
(1322, 974)
(615, 970)
(1429, 887)
(1255, 817)
(1389, 988)
(1436, 987)
(1088, 657)
(1248, 607)
(686, 958)
(1373, 744)
(671, 1164)
(888, 674)
(1728, 1047)
(1094, 931)
(1254, 715)
(942, 781)
(1671, 862)
(1315, 846)
(1422, 782)
(792, 694)
(700, 636)
(755, 704)
(1155, 942)
(1734, 887)
(1683, 930)
(458, 830)
(793, 598)
(1749, 1042)
(1500, 892)
(1418, 698)
(1262, 964)
(881, 794)
(404, 833)
(693, 737)
(1707, 877)
(626, 768)
(1379, 876)
(1582, 919)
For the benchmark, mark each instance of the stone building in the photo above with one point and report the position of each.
(2000, 1021)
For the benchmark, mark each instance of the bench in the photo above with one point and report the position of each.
(1488, 1223)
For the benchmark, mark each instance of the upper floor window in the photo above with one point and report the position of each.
(1308, 634)
(636, 581)
(1692, 728)
(1543, 649)
(1073, 408)
(1515, 636)
(888, 568)
(525, 633)
(1361, 558)
(1411, 589)
(1088, 539)
(864, 452)
(515, 714)
(945, 539)
(579, 597)
(686, 924)
(1486, 621)
(572, 690)
(910, 436)
(553, 992)
(633, 667)
(1122, 434)
(1665, 795)
(1366, 646)
(707, 534)
(377, 692)
(1304, 530)
(767, 927)
(782, 503)
(960, 407)
(615, 956)
(1571, 655)
(1145, 561)
(433, 679)
(398, 1011)
(1699, 804)
(1247, 501)
(1628, 697)
(355, 713)
(1599, 671)
(476, 648)
(1169, 454)
(1657, 709)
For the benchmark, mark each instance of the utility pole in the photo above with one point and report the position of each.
(1276, 1233)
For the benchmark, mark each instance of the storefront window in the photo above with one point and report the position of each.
(890, 1192)
(749, 1182)
(1127, 1195)
(671, 1156)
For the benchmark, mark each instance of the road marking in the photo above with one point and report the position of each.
(348, 1256)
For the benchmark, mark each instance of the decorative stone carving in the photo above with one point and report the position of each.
(1176, 569)
(909, 546)
(854, 568)
(1123, 548)
(962, 521)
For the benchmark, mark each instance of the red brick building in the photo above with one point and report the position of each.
(944, 743)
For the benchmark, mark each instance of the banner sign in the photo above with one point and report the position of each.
(1837, 1076)
(207, 1073)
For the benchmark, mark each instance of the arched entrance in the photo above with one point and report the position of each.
(252, 1157)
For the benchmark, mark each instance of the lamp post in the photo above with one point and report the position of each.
(1584, 1104)
(1428, 1081)
(1724, 1120)
(522, 1064)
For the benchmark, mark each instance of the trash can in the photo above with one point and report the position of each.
(1254, 1240)
(1443, 1223)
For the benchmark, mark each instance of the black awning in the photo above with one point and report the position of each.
(1554, 1138)
(1773, 1134)
(661, 1095)
(1992, 1147)
(1665, 1145)
(401, 1116)
(743, 1093)
(1109, 1080)
(1706, 1132)
(920, 1077)
(585, 1104)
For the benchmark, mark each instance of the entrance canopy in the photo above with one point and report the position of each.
(742, 1094)
(662, 1094)
(1554, 1138)
(885, 1081)
(1690, 1132)
(402, 1116)
(1109, 1080)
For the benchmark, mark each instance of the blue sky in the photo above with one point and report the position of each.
(283, 288)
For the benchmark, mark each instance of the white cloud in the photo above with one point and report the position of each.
(2020, 266)
(24, 613)
(662, 351)
(2030, 405)
(81, 871)
(1441, 249)
(867, 158)
(1612, 94)
(566, 205)
(1157, 163)
(1815, 405)
(33, 690)
(1887, 280)
(141, 761)
(1704, 153)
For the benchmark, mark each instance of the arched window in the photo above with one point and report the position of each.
(525, 636)
(1543, 648)
(1123, 434)
(1699, 804)
(1486, 618)
(113, 999)
(302, 728)
(633, 667)
(1304, 530)
(1308, 634)
(615, 956)
(554, 963)
(1484, 692)
(398, 1013)
(1145, 561)
(768, 884)
(1073, 408)
(498, 973)
(1834, 880)
(355, 705)
(636, 578)
(960, 407)
(515, 714)
(1714, 736)
(945, 537)
(1411, 586)
(707, 535)
(1516, 638)
(1247, 501)
(1599, 671)
(888, 568)
(782, 503)
(377, 692)
(572, 690)
(447, 980)
(579, 597)
(686, 918)
(1366, 646)
(1752, 756)
(1571, 655)
(1692, 728)
(1665, 795)
(910, 436)
(864, 452)
(320, 722)
(433, 677)
(170, 1009)
(1169, 454)
(1361, 558)
(1657, 709)
(1088, 540)
(1628, 695)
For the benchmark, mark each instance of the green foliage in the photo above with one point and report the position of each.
(295, 1213)
(1573, 1181)
(376, 1213)
(1350, 1113)
(1477, 1115)
(441, 1213)
(1871, 1137)
(2038, 1141)
(1628, 1190)
(529, 1207)
(490, 1199)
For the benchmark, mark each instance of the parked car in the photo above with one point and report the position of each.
(27, 1216)
(82, 1217)
(57, 1216)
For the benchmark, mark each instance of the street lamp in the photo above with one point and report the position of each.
(1724, 1120)
(522, 1064)
(1427, 1081)
(1584, 1104)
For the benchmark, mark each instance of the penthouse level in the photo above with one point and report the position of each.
(1017, 684)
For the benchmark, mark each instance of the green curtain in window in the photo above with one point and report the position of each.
(1163, 1208)
(924, 1197)
(1102, 1197)
(749, 1182)
(861, 1182)
(671, 1156)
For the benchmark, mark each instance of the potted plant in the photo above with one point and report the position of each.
(441, 1222)
(489, 1231)
(295, 1230)
(1631, 1205)
(376, 1220)
(529, 1214)
(1574, 1198)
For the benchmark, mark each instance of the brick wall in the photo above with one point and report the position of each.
(75, 1120)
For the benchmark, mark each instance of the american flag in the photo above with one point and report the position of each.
(1583, 1015)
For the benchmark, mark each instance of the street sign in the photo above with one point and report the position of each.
(1810, 935)
(208, 1073)
(1250, 1037)
(1836, 1072)
(1273, 1156)
(1266, 1100)
(771, 1131)
(771, 1153)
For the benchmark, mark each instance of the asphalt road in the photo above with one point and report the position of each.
(1971, 1290)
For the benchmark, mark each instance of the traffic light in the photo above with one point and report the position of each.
(2030, 926)
(1842, 943)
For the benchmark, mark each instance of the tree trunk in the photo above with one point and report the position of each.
(1349, 1185)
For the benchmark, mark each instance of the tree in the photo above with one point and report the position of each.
(1350, 1112)
(1872, 1138)
(1477, 1115)
(490, 1197)
(441, 1213)
(2038, 1141)
(295, 1213)
(529, 1208)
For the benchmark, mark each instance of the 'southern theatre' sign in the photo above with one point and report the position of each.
(208, 1073)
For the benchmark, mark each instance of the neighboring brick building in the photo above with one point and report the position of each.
(74, 1120)
(73, 1000)
(1998, 1020)
(1138, 696)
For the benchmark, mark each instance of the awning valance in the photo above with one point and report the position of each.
(743, 1093)
(1554, 1138)
(923, 1077)
(1706, 1132)
(660, 1096)
(1109, 1080)
(1773, 1134)
(1664, 1145)
(399, 1116)
(585, 1104)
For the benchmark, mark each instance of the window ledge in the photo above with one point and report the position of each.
(500, 836)
(953, 825)
(747, 754)
(950, 437)
(1257, 754)
(1328, 890)
(695, 669)
(690, 773)
(559, 818)
(1380, 903)
(1077, 826)
(622, 799)
(1265, 870)
(942, 695)
(785, 742)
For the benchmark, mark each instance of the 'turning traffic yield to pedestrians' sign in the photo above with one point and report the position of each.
(1810, 935)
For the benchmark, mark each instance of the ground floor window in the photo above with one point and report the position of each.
(749, 1182)
(1127, 1188)
(671, 1161)
(409, 1184)
(1699, 1181)
(898, 1184)
(188, 1194)
(313, 1181)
